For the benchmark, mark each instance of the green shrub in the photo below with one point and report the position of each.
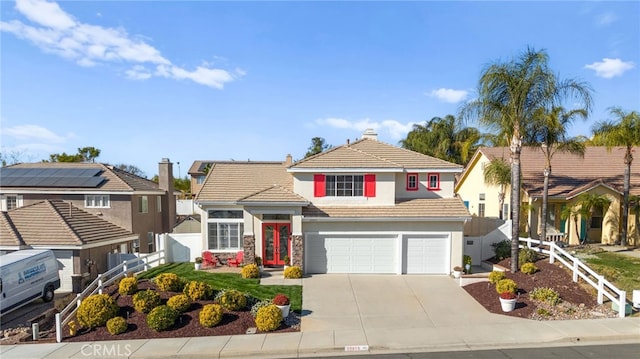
(250, 271)
(128, 286)
(210, 315)
(293, 272)
(527, 255)
(179, 302)
(506, 285)
(197, 290)
(258, 305)
(117, 325)
(529, 268)
(268, 318)
(502, 249)
(543, 312)
(95, 310)
(232, 299)
(545, 295)
(496, 276)
(144, 301)
(162, 318)
(168, 282)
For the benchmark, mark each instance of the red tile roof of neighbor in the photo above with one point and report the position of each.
(572, 174)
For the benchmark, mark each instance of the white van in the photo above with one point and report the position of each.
(25, 276)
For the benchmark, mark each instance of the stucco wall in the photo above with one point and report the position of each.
(474, 185)
(385, 191)
(446, 186)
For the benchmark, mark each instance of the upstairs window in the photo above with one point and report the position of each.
(159, 203)
(412, 181)
(143, 204)
(200, 179)
(344, 185)
(433, 183)
(97, 201)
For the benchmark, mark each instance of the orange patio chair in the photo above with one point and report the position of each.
(237, 261)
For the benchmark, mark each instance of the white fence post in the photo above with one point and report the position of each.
(622, 304)
(58, 328)
(552, 253)
(600, 289)
(99, 283)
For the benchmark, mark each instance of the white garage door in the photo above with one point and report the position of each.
(350, 254)
(65, 269)
(428, 254)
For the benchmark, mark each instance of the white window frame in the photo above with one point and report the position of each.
(344, 185)
(4, 203)
(97, 201)
(143, 204)
(222, 225)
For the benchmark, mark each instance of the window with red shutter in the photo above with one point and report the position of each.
(318, 185)
(369, 185)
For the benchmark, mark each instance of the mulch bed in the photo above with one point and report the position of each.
(187, 325)
(549, 275)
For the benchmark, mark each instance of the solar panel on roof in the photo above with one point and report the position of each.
(50, 177)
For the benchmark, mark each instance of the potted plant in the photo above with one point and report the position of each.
(258, 262)
(467, 263)
(198, 264)
(457, 271)
(282, 302)
(506, 289)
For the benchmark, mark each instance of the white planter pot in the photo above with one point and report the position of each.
(284, 309)
(457, 274)
(508, 305)
(198, 266)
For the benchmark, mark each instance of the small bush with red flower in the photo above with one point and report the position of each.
(281, 299)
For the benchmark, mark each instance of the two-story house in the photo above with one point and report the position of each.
(364, 207)
(126, 211)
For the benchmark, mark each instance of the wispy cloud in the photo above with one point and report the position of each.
(609, 68)
(396, 130)
(35, 132)
(606, 18)
(449, 95)
(57, 32)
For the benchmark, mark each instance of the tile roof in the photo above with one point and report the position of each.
(411, 208)
(571, 172)
(369, 153)
(234, 181)
(9, 235)
(275, 193)
(55, 222)
(115, 180)
(198, 166)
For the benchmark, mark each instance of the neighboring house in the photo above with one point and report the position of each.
(188, 224)
(600, 172)
(136, 204)
(198, 172)
(365, 207)
(79, 240)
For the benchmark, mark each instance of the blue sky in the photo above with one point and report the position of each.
(193, 80)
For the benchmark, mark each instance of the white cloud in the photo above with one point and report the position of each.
(57, 32)
(23, 132)
(393, 128)
(609, 68)
(606, 18)
(449, 95)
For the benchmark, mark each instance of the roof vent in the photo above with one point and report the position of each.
(370, 134)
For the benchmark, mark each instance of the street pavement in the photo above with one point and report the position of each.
(365, 314)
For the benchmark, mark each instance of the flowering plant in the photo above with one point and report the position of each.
(281, 299)
(507, 295)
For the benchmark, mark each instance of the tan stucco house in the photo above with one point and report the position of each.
(599, 172)
(364, 207)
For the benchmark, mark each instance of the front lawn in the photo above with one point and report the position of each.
(621, 270)
(230, 280)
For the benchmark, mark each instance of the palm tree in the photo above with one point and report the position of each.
(443, 138)
(584, 208)
(626, 132)
(509, 95)
(498, 173)
(550, 134)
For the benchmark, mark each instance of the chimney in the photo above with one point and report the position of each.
(370, 134)
(289, 161)
(165, 182)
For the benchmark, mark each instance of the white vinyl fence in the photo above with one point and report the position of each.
(581, 270)
(136, 265)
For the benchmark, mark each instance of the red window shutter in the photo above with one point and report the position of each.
(318, 186)
(369, 185)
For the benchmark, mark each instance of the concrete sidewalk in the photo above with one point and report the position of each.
(362, 314)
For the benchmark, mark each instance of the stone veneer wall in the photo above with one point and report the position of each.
(296, 251)
(249, 245)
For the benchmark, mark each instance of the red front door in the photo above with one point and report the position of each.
(275, 243)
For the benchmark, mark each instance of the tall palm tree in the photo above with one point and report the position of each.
(625, 132)
(443, 138)
(550, 134)
(509, 94)
(498, 173)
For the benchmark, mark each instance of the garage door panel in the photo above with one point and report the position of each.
(427, 254)
(350, 254)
